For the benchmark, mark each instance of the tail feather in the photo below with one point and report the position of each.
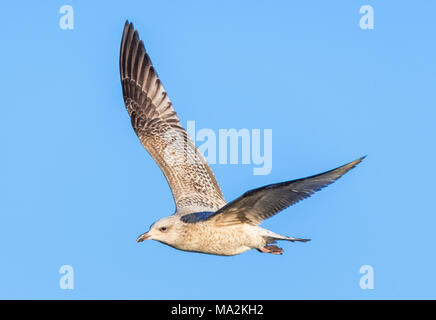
(273, 239)
(292, 239)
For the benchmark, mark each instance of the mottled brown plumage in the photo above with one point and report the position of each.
(203, 222)
(154, 120)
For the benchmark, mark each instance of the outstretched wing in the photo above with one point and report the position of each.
(259, 204)
(154, 120)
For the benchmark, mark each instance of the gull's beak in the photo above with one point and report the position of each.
(143, 237)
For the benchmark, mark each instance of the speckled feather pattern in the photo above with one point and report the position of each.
(156, 124)
(204, 237)
(203, 222)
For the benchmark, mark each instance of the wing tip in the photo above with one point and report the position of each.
(127, 27)
(362, 157)
(354, 163)
(129, 41)
(128, 24)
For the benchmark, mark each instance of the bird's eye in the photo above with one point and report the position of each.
(163, 229)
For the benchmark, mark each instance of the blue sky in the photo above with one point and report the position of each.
(77, 187)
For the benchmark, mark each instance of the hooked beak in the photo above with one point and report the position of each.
(143, 237)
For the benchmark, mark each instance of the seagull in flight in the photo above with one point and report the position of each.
(203, 221)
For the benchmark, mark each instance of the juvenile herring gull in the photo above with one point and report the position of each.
(203, 221)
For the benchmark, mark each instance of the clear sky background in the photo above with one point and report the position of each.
(77, 187)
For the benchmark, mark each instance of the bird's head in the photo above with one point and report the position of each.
(164, 230)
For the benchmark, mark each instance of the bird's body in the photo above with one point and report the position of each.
(203, 221)
(205, 237)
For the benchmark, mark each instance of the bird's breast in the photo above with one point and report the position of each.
(207, 238)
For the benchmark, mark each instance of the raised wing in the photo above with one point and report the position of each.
(259, 204)
(155, 122)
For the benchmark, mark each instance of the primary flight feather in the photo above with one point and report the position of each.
(203, 222)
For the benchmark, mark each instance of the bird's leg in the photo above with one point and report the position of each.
(271, 249)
